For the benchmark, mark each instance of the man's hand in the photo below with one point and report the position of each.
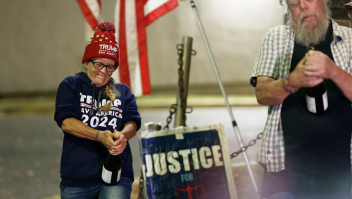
(300, 76)
(319, 65)
(271, 92)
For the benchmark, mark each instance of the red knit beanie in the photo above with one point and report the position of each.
(103, 44)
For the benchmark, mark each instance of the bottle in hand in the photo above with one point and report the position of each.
(317, 96)
(317, 99)
(112, 169)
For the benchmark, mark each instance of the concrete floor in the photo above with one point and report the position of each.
(30, 146)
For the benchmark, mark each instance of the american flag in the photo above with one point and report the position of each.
(131, 19)
(91, 10)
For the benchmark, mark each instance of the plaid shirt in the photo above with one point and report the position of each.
(274, 60)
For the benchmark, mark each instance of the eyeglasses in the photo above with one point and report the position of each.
(100, 66)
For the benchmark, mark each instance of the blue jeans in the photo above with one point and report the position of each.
(291, 183)
(101, 191)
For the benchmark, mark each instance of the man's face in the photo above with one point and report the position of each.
(309, 20)
(307, 12)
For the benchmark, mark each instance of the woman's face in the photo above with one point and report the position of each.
(99, 77)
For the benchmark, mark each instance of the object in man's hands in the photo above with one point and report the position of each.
(317, 96)
(112, 169)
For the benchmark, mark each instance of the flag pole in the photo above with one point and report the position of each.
(234, 124)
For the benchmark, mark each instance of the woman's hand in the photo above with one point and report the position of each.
(106, 138)
(120, 143)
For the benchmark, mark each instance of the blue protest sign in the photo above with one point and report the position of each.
(187, 163)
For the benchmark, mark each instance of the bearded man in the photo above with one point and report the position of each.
(305, 155)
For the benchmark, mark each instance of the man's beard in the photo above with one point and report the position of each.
(306, 35)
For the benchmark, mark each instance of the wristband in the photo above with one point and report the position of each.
(97, 136)
(287, 87)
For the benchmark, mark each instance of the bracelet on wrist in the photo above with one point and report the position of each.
(287, 86)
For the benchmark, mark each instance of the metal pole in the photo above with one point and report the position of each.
(186, 59)
(234, 124)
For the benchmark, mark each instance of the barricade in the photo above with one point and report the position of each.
(187, 163)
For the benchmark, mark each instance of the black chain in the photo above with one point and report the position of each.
(173, 107)
(243, 149)
(172, 111)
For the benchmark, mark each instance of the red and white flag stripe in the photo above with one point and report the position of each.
(91, 10)
(131, 19)
(153, 9)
